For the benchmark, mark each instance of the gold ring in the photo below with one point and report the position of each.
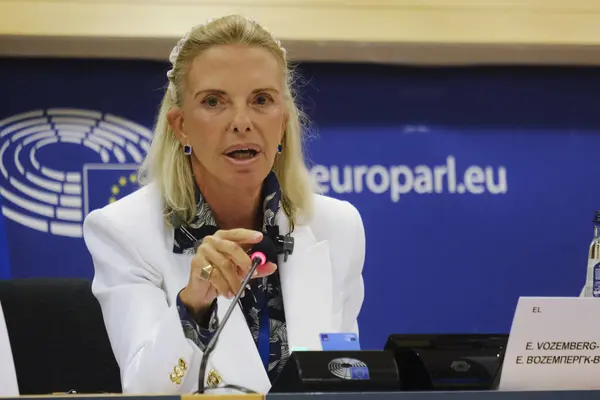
(206, 272)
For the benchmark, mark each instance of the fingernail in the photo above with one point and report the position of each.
(258, 235)
(254, 274)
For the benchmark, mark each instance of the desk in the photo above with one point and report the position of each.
(528, 395)
(489, 395)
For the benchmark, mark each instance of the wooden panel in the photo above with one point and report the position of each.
(224, 397)
(413, 31)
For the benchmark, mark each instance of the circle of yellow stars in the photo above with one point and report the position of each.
(116, 189)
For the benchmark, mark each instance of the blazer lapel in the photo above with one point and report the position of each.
(306, 284)
(236, 357)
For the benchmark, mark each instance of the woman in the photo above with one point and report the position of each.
(225, 166)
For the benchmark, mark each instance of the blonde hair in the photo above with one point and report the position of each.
(168, 166)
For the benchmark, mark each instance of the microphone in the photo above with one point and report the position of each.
(260, 253)
(284, 244)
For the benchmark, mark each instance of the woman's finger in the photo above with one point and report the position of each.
(226, 267)
(231, 250)
(220, 283)
(265, 270)
(240, 235)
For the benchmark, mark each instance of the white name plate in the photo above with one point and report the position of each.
(554, 344)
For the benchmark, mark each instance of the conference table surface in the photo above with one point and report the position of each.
(458, 395)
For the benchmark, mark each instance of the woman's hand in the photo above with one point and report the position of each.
(219, 267)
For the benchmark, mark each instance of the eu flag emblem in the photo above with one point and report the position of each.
(106, 183)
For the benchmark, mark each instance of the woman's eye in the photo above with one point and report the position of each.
(263, 100)
(211, 101)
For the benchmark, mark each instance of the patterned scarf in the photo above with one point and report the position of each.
(188, 238)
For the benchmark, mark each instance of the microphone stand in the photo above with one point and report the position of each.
(256, 261)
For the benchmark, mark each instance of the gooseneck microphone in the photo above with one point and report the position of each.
(260, 253)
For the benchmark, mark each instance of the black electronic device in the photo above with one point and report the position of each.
(338, 371)
(448, 361)
(284, 244)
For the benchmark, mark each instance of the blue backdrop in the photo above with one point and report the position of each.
(4, 259)
(476, 186)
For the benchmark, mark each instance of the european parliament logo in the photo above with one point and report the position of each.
(56, 165)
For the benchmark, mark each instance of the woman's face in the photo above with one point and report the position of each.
(233, 115)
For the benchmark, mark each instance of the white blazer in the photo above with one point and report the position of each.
(137, 279)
